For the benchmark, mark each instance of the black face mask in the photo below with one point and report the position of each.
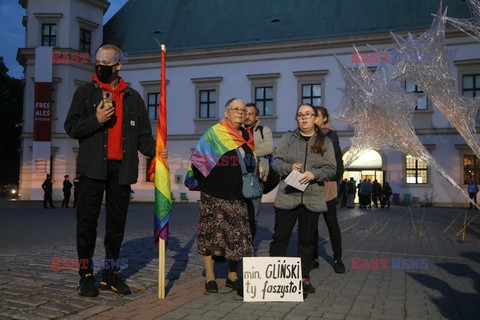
(104, 72)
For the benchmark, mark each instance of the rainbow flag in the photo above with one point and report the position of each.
(214, 143)
(159, 172)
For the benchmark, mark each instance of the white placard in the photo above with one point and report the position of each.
(292, 180)
(272, 279)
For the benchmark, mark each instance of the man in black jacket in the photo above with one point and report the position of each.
(67, 191)
(111, 123)
(47, 187)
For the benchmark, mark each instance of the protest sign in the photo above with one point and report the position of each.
(272, 279)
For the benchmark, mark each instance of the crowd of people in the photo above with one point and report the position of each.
(47, 187)
(368, 193)
(226, 216)
(111, 123)
(312, 149)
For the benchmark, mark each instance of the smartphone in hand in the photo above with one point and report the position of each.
(107, 100)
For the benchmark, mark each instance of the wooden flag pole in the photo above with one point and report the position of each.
(161, 268)
(161, 228)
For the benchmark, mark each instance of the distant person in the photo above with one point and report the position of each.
(67, 191)
(472, 192)
(263, 141)
(351, 190)
(376, 193)
(365, 193)
(47, 187)
(387, 192)
(76, 189)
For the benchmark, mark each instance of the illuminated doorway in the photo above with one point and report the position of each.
(368, 166)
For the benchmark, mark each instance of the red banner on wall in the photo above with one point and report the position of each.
(42, 111)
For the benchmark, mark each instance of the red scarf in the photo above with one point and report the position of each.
(114, 125)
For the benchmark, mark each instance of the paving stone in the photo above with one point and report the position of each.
(17, 314)
(359, 290)
(330, 315)
(27, 300)
(63, 307)
(48, 313)
(17, 306)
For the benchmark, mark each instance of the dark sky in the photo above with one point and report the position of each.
(12, 33)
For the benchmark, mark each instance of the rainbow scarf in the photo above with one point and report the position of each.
(215, 142)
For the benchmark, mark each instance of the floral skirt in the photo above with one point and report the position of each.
(223, 228)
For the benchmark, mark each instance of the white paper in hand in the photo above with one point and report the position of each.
(292, 180)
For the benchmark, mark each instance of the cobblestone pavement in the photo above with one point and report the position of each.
(448, 288)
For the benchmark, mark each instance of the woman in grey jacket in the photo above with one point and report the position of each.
(308, 151)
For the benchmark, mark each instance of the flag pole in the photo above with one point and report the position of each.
(161, 241)
(161, 269)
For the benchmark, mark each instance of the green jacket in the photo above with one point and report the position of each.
(294, 149)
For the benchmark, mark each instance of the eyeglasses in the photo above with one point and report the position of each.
(238, 110)
(307, 115)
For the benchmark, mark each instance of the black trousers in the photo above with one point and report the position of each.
(374, 200)
(473, 196)
(66, 199)
(307, 224)
(385, 201)
(90, 197)
(75, 198)
(47, 198)
(333, 231)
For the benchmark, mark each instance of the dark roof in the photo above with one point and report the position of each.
(190, 24)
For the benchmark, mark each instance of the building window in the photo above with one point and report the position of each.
(471, 169)
(470, 85)
(416, 170)
(151, 96)
(207, 107)
(312, 94)
(148, 162)
(264, 100)
(207, 96)
(423, 103)
(264, 87)
(87, 30)
(85, 40)
(153, 101)
(311, 86)
(49, 34)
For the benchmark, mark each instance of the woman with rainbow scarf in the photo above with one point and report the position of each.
(223, 228)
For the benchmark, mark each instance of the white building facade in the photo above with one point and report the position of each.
(278, 76)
